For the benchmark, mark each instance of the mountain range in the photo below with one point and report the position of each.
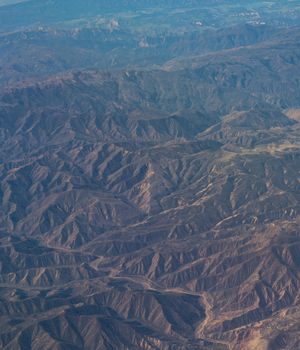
(149, 187)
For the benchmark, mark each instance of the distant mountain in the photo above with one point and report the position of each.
(37, 54)
(177, 14)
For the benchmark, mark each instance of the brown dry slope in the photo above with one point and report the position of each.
(154, 209)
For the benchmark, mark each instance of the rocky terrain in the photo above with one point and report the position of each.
(35, 54)
(151, 203)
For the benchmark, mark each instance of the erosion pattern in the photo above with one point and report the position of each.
(154, 209)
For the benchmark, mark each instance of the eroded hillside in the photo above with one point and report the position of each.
(135, 212)
(153, 209)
